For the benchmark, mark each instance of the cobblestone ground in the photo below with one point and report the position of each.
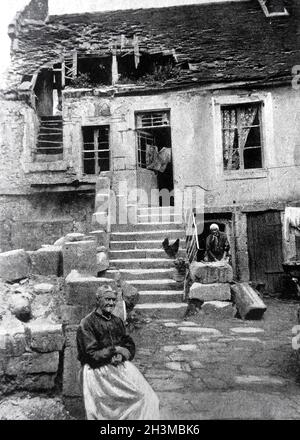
(207, 368)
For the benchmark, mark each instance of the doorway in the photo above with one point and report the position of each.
(154, 155)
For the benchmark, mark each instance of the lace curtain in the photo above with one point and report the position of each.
(236, 124)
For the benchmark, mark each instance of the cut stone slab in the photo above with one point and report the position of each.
(201, 330)
(247, 330)
(81, 256)
(247, 301)
(187, 347)
(163, 310)
(219, 309)
(210, 292)
(46, 261)
(45, 336)
(175, 366)
(210, 273)
(266, 380)
(43, 288)
(14, 265)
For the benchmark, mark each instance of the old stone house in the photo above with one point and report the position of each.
(211, 85)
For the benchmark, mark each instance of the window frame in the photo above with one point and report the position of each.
(96, 152)
(267, 134)
(240, 127)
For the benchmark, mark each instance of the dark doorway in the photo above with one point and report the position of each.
(264, 232)
(202, 238)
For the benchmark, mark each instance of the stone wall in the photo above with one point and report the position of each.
(28, 221)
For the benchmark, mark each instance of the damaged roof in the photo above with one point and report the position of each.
(220, 42)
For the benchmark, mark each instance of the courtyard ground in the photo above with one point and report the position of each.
(206, 368)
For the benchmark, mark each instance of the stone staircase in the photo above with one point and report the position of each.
(136, 251)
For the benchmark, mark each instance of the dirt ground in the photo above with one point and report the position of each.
(206, 368)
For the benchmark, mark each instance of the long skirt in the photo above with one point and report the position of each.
(118, 393)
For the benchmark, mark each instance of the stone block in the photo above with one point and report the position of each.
(14, 265)
(102, 237)
(247, 301)
(219, 309)
(210, 292)
(32, 363)
(20, 307)
(42, 288)
(81, 256)
(45, 336)
(71, 237)
(209, 273)
(12, 340)
(102, 261)
(81, 290)
(46, 261)
(71, 375)
(74, 314)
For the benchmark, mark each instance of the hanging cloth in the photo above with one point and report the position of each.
(292, 219)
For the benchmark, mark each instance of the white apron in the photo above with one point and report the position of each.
(118, 393)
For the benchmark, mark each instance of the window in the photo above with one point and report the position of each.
(95, 149)
(153, 129)
(242, 136)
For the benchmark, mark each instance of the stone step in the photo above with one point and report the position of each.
(139, 263)
(147, 227)
(142, 253)
(171, 310)
(160, 284)
(153, 296)
(140, 274)
(159, 218)
(172, 234)
(141, 244)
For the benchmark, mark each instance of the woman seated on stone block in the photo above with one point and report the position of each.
(113, 388)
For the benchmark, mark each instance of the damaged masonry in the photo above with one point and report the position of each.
(154, 150)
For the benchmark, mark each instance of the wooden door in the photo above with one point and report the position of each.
(264, 232)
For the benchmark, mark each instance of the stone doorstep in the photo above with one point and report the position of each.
(146, 235)
(141, 244)
(154, 296)
(160, 284)
(142, 253)
(148, 227)
(136, 263)
(163, 310)
(141, 274)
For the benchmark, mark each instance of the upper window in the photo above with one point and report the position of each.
(242, 136)
(95, 149)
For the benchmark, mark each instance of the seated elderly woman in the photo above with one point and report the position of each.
(113, 388)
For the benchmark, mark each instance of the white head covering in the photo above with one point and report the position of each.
(214, 226)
